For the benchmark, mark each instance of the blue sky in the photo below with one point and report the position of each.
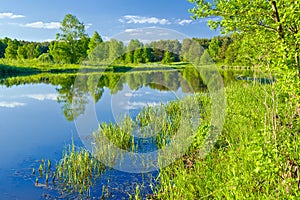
(39, 20)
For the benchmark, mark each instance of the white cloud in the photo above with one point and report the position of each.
(146, 35)
(205, 20)
(128, 94)
(105, 38)
(145, 41)
(184, 21)
(43, 25)
(134, 19)
(10, 15)
(163, 34)
(88, 25)
(129, 30)
(5, 104)
(138, 105)
(134, 32)
(46, 40)
(42, 97)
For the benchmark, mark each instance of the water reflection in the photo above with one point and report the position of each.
(187, 80)
(11, 104)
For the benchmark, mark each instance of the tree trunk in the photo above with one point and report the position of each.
(277, 19)
(297, 59)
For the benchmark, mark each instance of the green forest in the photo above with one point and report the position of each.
(74, 46)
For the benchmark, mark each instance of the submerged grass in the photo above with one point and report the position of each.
(77, 170)
(75, 173)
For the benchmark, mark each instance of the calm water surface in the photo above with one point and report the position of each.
(32, 127)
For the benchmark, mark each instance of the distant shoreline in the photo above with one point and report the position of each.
(31, 67)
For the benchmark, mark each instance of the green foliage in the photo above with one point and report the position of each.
(46, 58)
(204, 42)
(69, 50)
(214, 49)
(116, 49)
(134, 44)
(128, 57)
(22, 53)
(100, 54)
(138, 56)
(185, 49)
(11, 50)
(72, 44)
(191, 51)
(147, 55)
(33, 51)
(159, 47)
(27, 50)
(205, 58)
(3, 45)
(94, 42)
(266, 36)
(60, 52)
(232, 54)
(135, 53)
(268, 29)
(81, 47)
(72, 29)
(167, 58)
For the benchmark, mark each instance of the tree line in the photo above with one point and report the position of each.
(74, 46)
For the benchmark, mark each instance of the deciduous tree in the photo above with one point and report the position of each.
(12, 48)
(73, 39)
(94, 42)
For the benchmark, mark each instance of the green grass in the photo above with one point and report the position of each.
(20, 67)
(75, 173)
(255, 158)
(9, 71)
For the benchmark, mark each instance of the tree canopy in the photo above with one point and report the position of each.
(267, 28)
(72, 29)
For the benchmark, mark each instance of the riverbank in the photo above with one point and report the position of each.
(255, 156)
(28, 67)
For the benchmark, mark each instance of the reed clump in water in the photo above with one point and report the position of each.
(78, 169)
